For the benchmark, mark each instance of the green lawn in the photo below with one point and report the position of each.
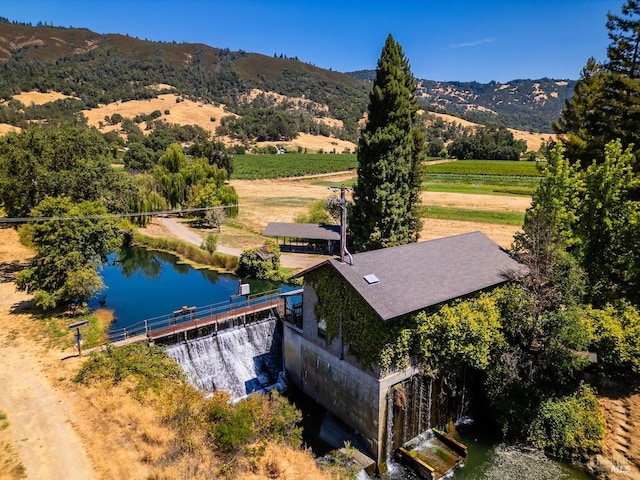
(484, 168)
(484, 184)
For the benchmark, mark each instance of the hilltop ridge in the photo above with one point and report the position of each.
(93, 70)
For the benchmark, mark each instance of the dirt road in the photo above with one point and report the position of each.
(178, 229)
(41, 420)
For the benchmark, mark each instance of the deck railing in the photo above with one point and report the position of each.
(188, 314)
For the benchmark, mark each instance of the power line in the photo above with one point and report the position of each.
(155, 213)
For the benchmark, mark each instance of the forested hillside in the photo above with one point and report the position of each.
(95, 69)
(100, 69)
(530, 105)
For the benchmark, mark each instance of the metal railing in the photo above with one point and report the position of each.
(192, 315)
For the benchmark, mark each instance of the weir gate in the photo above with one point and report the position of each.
(192, 322)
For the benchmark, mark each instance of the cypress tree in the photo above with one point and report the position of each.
(390, 152)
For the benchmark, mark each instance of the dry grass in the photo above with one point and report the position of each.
(281, 462)
(281, 200)
(39, 98)
(314, 143)
(5, 128)
(187, 112)
(534, 140)
(11, 467)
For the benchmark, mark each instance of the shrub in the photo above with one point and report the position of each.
(616, 332)
(148, 366)
(210, 243)
(569, 427)
(234, 426)
(262, 263)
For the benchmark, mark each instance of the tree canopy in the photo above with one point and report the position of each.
(390, 151)
(69, 247)
(606, 102)
(68, 160)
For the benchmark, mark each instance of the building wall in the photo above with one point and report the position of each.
(355, 396)
(347, 392)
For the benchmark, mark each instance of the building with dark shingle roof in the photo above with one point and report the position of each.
(393, 282)
(409, 278)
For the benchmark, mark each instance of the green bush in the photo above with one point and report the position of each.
(262, 263)
(210, 243)
(259, 417)
(149, 366)
(616, 337)
(569, 427)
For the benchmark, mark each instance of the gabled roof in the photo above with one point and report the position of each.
(311, 231)
(416, 276)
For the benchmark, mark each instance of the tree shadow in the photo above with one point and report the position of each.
(8, 270)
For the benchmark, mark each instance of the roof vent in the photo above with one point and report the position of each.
(371, 279)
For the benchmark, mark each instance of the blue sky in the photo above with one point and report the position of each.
(461, 40)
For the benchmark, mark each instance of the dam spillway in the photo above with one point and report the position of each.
(239, 360)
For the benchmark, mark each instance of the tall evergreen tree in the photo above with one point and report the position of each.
(390, 151)
(606, 102)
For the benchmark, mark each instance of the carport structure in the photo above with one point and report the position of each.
(305, 237)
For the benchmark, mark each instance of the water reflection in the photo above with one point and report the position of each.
(142, 284)
(134, 260)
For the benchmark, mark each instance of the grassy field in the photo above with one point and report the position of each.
(489, 177)
(468, 215)
(482, 184)
(253, 167)
(487, 195)
(484, 168)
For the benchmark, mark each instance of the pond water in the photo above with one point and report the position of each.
(142, 284)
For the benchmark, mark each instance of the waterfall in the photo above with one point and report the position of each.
(417, 409)
(405, 423)
(429, 403)
(239, 360)
(421, 406)
(464, 401)
(389, 439)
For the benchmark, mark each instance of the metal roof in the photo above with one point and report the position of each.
(416, 276)
(311, 231)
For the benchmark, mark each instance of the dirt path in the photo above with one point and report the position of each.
(179, 230)
(40, 418)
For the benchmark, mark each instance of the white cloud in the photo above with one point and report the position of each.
(474, 43)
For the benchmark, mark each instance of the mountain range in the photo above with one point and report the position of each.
(96, 69)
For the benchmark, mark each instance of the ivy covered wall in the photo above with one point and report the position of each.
(464, 332)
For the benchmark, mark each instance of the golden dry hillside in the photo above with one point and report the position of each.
(534, 140)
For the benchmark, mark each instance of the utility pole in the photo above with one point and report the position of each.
(343, 218)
